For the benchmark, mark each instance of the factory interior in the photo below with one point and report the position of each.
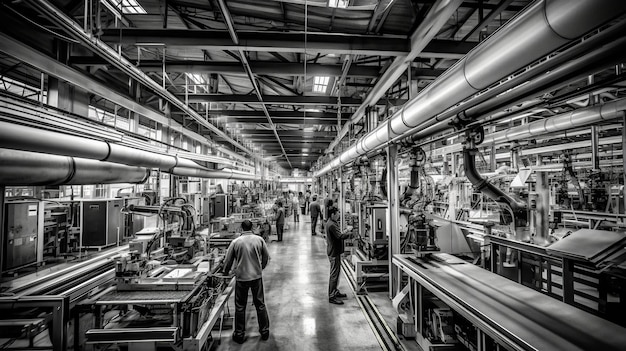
(474, 149)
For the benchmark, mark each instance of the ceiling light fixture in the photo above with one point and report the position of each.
(320, 83)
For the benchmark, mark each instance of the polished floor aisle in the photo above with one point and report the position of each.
(296, 295)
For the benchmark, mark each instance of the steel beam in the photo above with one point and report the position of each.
(284, 114)
(284, 133)
(259, 67)
(283, 100)
(324, 43)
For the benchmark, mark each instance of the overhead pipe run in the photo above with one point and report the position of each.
(543, 27)
(435, 19)
(589, 55)
(213, 174)
(566, 121)
(32, 168)
(59, 17)
(19, 137)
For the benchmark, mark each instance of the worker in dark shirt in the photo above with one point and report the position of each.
(334, 249)
(316, 212)
(249, 255)
(279, 217)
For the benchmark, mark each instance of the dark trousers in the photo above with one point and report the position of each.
(313, 225)
(335, 266)
(280, 227)
(296, 215)
(241, 300)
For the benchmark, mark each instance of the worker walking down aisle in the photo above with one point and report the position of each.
(296, 295)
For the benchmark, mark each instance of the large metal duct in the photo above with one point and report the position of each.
(540, 29)
(435, 19)
(105, 51)
(565, 121)
(579, 68)
(32, 168)
(481, 184)
(215, 174)
(19, 137)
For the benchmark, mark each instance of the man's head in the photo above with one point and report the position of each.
(280, 204)
(314, 197)
(246, 225)
(333, 213)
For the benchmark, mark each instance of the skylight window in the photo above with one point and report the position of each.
(320, 84)
(196, 82)
(338, 3)
(130, 7)
(196, 78)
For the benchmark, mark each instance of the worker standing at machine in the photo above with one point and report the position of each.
(249, 254)
(316, 212)
(334, 249)
(295, 202)
(279, 217)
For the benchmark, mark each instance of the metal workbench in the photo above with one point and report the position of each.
(515, 316)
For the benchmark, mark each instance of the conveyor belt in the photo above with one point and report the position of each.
(58, 282)
(142, 296)
(517, 317)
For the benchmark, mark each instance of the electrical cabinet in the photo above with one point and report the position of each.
(220, 206)
(22, 234)
(378, 224)
(101, 222)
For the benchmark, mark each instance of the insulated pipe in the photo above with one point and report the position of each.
(32, 168)
(105, 51)
(213, 174)
(566, 121)
(543, 27)
(435, 19)
(597, 60)
(545, 69)
(15, 136)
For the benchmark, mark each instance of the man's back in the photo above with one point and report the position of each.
(249, 254)
(315, 209)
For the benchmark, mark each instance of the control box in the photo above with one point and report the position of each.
(378, 224)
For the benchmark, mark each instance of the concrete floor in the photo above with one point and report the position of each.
(296, 295)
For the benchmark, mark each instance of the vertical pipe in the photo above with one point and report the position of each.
(595, 160)
(393, 214)
(593, 100)
(543, 206)
(341, 205)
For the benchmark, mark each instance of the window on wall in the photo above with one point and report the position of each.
(147, 131)
(100, 191)
(109, 118)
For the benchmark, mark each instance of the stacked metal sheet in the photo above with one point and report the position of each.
(598, 247)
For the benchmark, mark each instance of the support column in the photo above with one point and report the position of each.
(341, 205)
(133, 117)
(393, 213)
(624, 157)
(2, 191)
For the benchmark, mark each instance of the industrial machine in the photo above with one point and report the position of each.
(220, 205)
(101, 223)
(22, 234)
